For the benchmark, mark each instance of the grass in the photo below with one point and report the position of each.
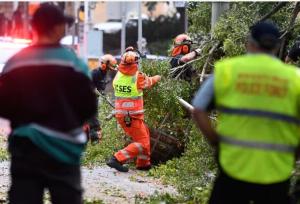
(3, 154)
(112, 140)
(3, 150)
(93, 202)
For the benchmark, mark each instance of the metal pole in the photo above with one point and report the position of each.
(217, 9)
(123, 31)
(185, 18)
(140, 26)
(75, 14)
(86, 28)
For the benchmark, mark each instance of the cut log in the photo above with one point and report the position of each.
(166, 148)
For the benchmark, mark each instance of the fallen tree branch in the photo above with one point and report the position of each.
(159, 128)
(273, 11)
(211, 51)
(183, 66)
(174, 69)
(286, 32)
(181, 72)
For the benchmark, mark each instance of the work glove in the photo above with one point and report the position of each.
(198, 51)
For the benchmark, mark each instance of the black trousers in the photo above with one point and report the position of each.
(95, 125)
(227, 190)
(33, 171)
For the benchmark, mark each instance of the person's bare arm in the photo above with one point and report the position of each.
(203, 102)
(203, 122)
(190, 56)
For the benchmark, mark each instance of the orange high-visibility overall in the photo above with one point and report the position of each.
(138, 131)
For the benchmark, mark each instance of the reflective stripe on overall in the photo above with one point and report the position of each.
(257, 98)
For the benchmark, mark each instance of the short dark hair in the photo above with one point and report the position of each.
(265, 34)
(47, 16)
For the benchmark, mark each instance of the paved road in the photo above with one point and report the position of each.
(100, 183)
(106, 184)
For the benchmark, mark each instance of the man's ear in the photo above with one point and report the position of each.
(251, 47)
(58, 31)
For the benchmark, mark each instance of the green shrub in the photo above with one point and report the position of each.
(161, 101)
(192, 173)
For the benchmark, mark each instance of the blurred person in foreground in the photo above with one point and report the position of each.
(42, 90)
(257, 134)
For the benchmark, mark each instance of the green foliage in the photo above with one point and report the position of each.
(233, 36)
(199, 17)
(233, 26)
(193, 172)
(3, 154)
(244, 15)
(3, 150)
(161, 101)
(93, 202)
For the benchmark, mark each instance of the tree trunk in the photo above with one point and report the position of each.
(284, 40)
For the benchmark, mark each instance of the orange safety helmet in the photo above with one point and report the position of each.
(130, 56)
(182, 44)
(108, 61)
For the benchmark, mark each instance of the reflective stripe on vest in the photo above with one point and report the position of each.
(260, 113)
(258, 145)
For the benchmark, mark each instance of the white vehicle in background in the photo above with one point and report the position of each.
(9, 47)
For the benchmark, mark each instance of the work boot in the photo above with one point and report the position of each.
(144, 168)
(114, 163)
